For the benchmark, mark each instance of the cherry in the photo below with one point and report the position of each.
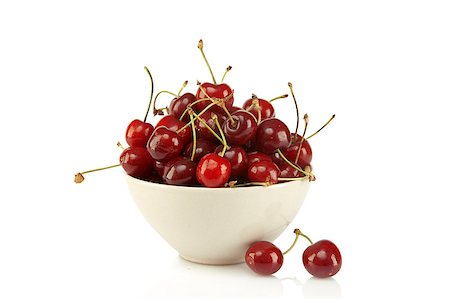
(202, 129)
(257, 157)
(240, 128)
(203, 147)
(287, 171)
(179, 105)
(238, 160)
(234, 109)
(272, 134)
(164, 144)
(159, 167)
(137, 162)
(219, 92)
(174, 124)
(180, 171)
(138, 133)
(264, 172)
(305, 155)
(322, 259)
(261, 109)
(213, 171)
(264, 258)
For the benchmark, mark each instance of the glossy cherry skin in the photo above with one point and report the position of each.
(305, 156)
(214, 91)
(264, 172)
(174, 124)
(322, 259)
(264, 258)
(265, 107)
(272, 134)
(203, 131)
(203, 147)
(138, 133)
(287, 171)
(179, 105)
(238, 160)
(254, 157)
(242, 130)
(164, 144)
(213, 171)
(159, 167)
(180, 171)
(137, 162)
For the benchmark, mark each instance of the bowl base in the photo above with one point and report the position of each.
(211, 262)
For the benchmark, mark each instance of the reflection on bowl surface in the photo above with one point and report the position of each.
(217, 225)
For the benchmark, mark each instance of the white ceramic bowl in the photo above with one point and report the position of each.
(217, 225)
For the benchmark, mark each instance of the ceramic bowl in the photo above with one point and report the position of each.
(217, 225)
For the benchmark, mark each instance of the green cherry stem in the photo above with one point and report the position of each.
(197, 116)
(291, 164)
(224, 140)
(297, 233)
(332, 117)
(226, 72)
(194, 136)
(79, 178)
(296, 110)
(200, 46)
(306, 119)
(158, 111)
(255, 103)
(279, 97)
(190, 105)
(151, 93)
(182, 87)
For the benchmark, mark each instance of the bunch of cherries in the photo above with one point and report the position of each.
(205, 140)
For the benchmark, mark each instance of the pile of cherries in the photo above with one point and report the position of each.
(205, 140)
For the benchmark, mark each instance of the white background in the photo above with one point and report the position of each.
(72, 77)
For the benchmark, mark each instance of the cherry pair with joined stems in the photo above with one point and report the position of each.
(321, 259)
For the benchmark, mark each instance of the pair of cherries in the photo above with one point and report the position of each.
(321, 259)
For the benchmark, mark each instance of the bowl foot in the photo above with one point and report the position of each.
(217, 262)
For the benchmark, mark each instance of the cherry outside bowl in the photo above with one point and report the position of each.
(217, 225)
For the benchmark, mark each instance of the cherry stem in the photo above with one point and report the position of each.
(296, 109)
(297, 233)
(190, 106)
(80, 178)
(120, 145)
(279, 97)
(182, 87)
(332, 117)
(233, 184)
(218, 102)
(197, 116)
(224, 140)
(306, 119)
(233, 122)
(151, 93)
(255, 103)
(155, 110)
(200, 46)
(291, 164)
(194, 136)
(226, 72)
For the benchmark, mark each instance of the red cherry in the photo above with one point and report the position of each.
(203, 131)
(264, 258)
(159, 167)
(276, 158)
(240, 128)
(287, 171)
(238, 160)
(305, 156)
(322, 259)
(164, 144)
(174, 124)
(266, 108)
(179, 105)
(254, 157)
(214, 91)
(180, 171)
(213, 171)
(272, 134)
(137, 162)
(264, 172)
(138, 133)
(203, 147)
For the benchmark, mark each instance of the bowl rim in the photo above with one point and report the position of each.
(205, 189)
